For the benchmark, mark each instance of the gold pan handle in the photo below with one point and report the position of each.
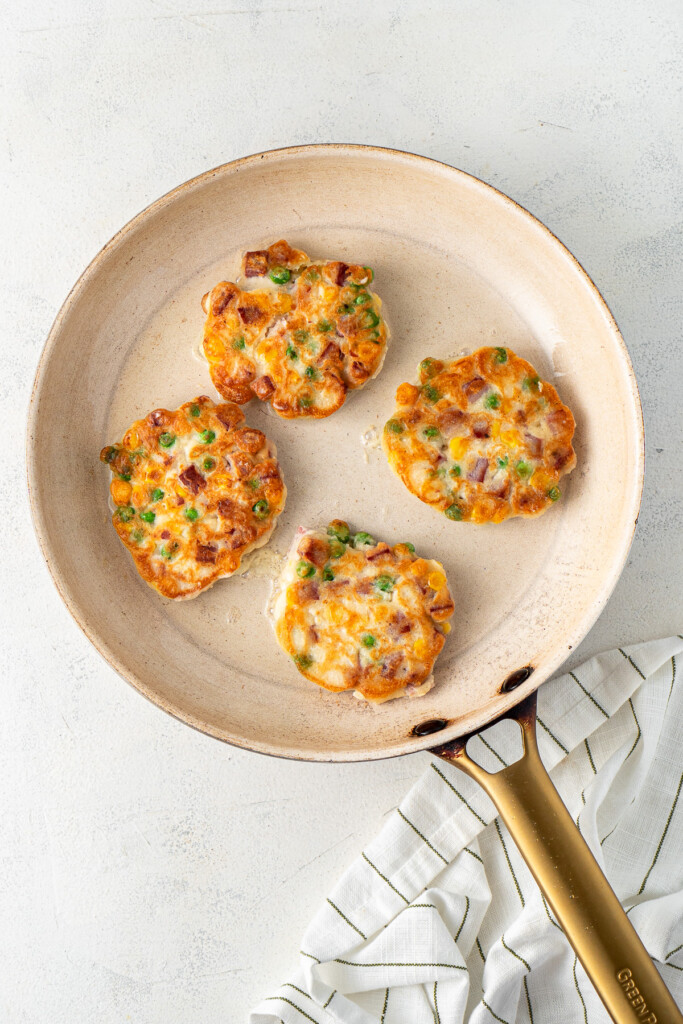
(568, 875)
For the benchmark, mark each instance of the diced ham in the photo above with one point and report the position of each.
(534, 444)
(221, 296)
(391, 665)
(157, 418)
(193, 480)
(165, 534)
(263, 388)
(240, 535)
(557, 420)
(309, 591)
(475, 388)
(256, 263)
(449, 421)
(330, 351)
(478, 473)
(560, 457)
(480, 428)
(250, 314)
(206, 553)
(226, 507)
(442, 611)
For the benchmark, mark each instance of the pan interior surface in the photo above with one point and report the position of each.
(457, 266)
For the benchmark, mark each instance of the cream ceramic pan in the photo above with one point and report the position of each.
(458, 265)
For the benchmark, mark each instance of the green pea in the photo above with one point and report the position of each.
(324, 326)
(455, 471)
(371, 274)
(261, 509)
(124, 476)
(302, 661)
(394, 426)
(207, 436)
(254, 484)
(370, 319)
(328, 575)
(385, 583)
(109, 454)
(305, 402)
(157, 494)
(362, 299)
(431, 393)
(125, 513)
(311, 373)
(138, 535)
(427, 367)
(453, 512)
(280, 275)
(524, 469)
(531, 383)
(239, 343)
(501, 355)
(431, 433)
(492, 401)
(292, 352)
(339, 529)
(166, 440)
(148, 517)
(191, 514)
(301, 336)
(554, 493)
(502, 463)
(208, 463)
(368, 640)
(363, 539)
(411, 547)
(304, 569)
(168, 552)
(337, 549)
(312, 274)
(195, 410)
(345, 310)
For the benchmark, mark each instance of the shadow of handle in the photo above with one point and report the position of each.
(568, 875)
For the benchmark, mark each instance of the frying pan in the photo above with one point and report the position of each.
(458, 265)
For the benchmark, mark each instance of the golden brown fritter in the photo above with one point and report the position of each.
(305, 336)
(481, 438)
(359, 615)
(195, 490)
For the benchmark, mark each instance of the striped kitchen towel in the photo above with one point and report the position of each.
(439, 920)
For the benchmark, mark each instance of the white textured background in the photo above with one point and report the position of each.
(148, 873)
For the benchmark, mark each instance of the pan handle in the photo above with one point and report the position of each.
(568, 875)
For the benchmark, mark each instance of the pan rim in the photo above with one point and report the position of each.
(412, 744)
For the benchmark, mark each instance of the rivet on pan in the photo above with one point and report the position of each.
(516, 678)
(433, 725)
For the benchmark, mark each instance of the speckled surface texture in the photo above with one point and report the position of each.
(149, 873)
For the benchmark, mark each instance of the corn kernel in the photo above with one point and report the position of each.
(478, 514)
(121, 491)
(457, 446)
(510, 438)
(436, 580)
(495, 428)
(418, 567)
(446, 627)
(420, 647)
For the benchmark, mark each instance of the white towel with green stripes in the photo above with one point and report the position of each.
(439, 920)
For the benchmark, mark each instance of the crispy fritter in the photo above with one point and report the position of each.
(195, 490)
(482, 438)
(359, 615)
(301, 339)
